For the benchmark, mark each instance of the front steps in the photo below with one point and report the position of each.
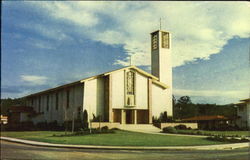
(146, 128)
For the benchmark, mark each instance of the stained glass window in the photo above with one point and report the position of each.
(130, 83)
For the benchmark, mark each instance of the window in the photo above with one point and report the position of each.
(78, 112)
(57, 98)
(165, 40)
(67, 99)
(130, 88)
(47, 102)
(155, 41)
(39, 104)
(130, 83)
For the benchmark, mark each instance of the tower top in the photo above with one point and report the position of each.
(159, 31)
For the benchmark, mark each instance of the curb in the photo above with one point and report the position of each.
(209, 147)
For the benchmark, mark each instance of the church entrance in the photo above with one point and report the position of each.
(129, 116)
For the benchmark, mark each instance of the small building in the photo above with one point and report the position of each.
(209, 122)
(19, 114)
(243, 113)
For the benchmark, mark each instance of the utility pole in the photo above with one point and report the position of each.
(130, 60)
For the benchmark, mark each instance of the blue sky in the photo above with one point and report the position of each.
(46, 44)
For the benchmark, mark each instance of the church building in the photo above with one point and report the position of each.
(127, 96)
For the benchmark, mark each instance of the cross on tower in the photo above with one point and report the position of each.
(160, 23)
(130, 60)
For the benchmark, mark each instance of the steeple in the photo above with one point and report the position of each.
(161, 66)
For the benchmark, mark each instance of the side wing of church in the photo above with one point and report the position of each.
(127, 96)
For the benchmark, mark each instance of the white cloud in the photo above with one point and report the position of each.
(33, 79)
(48, 32)
(212, 93)
(198, 29)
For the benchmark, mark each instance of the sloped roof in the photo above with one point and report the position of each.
(206, 118)
(155, 80)
(246, 100)
(243, 102)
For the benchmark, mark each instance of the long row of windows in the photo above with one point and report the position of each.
(56, 101)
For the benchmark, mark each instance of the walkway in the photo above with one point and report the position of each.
(208, 147)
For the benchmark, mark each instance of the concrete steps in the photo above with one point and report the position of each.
(147, 128)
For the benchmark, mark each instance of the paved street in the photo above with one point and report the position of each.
(11, 151)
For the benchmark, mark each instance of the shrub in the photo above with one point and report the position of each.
(85, 119)
(181, 127)
(163, 117)
(226, 139)
(105, 128)
(169, 130)
(96, 118)
(156, 120)
(115, 129)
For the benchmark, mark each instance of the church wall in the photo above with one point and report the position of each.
(248, 115)
(161, 101)
(117, 89)
(141, 91)
(53, 114)
(100, 97)
(94, 97)
(75, 102)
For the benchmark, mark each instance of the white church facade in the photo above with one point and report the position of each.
(127, 96)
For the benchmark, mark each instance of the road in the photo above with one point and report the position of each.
(14, 151)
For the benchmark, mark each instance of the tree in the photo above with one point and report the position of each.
(184, 100)
(163, 117)
(7, 103)
(184, 108)
(85, 119)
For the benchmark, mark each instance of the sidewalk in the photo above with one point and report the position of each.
(170, 134)
(208, 147)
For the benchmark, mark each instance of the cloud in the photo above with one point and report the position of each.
(212, 93)
(34, 80)
(51, 32)
(16, 91)
(199, 29)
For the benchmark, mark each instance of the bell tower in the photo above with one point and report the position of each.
(161, 65)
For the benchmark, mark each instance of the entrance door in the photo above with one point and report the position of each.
(129, 117)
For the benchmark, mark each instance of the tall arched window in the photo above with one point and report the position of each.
(130, 88)
(130, 83)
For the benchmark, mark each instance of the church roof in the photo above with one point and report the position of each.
(155, 80)
(243, 102)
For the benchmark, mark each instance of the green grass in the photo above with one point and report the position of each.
(119, 138)
(226, 133)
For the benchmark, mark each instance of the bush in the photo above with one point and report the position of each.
(21, 126)
(169, 130)
(42, 125)
(227, 139)
(105, 128)
(163, 117)
(181, 127)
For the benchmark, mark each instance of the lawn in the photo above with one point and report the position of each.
(119, 138)
(226, 133)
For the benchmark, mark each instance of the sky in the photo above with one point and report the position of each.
(47, 44)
